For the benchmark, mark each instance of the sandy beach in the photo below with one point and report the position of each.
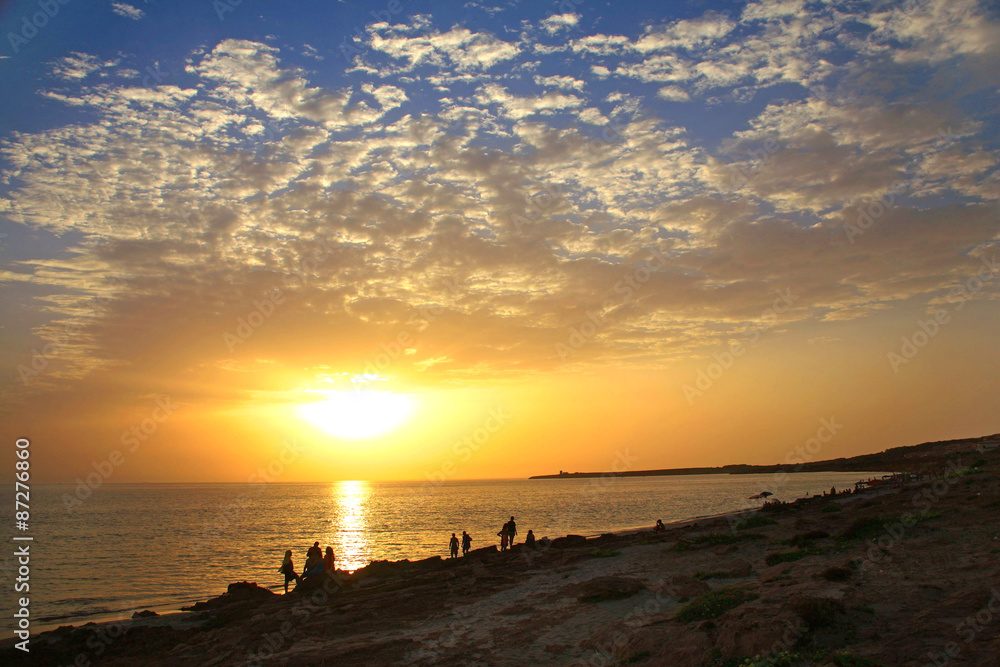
(905, 574)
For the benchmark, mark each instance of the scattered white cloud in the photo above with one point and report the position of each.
(127, 10)
(79, 65)
(559, 22)
(686, 34)
(254, 165)
(673, 94)
(459, 48)
(565, 82)
(519, 107)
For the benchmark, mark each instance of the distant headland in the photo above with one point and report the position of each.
(911, 458)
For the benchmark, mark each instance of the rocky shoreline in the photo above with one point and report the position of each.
(901, 576)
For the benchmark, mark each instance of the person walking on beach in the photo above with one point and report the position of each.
(511, 531)
(503, 537)
(466, 543)
(454, 546)
(288, 569)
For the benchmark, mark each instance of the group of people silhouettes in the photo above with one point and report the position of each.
(316, 563)
(506, 535)
(466, 544)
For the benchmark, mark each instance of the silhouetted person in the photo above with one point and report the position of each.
(288, 569)
(328, 560)
(503, 537)
(453, 545)
(511, 531)
(314, 560)
(466, 543)
(529, 540)
(659, 527)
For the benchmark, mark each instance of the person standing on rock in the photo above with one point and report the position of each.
(288, 569)
(503, 537)
(466, 543)
(454, 546)
(511, 530)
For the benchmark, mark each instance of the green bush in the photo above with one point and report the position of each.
(783, 659)
(845, 659)
(605, 553)
(714, 604)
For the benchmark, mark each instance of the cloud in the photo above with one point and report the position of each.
(939, 30)
(519, 107)
(366, 206)
(565, 82)
(248, 73)
(687, 34)
(459, 47)
(673, 94)
(559, 22)
(127, 10)
(79, 65)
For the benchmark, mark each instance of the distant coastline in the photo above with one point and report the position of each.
(912, 458)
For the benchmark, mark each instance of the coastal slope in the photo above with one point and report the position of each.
(904, 574)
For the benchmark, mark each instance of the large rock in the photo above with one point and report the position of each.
(569, 541)
(683, 586)
(608, 588)
(241, 591)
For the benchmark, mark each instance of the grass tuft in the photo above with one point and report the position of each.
(714, 604)
(605, 553)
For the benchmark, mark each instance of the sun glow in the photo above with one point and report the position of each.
(359, 414)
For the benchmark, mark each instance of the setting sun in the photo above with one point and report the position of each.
(359, 414)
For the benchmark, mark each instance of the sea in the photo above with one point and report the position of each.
(131, 547)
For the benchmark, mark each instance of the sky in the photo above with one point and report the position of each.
(376, 240)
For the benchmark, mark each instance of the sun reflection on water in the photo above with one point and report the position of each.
(350, 524)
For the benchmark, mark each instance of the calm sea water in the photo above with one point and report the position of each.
(161, 546)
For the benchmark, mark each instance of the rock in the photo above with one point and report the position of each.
(241, 591)
(428, 564)
(819, 611)
(735, 569)
(483, 552)
(145, 613)
(608, 588)
(569, 541)
(684, 586)
(248, 590)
